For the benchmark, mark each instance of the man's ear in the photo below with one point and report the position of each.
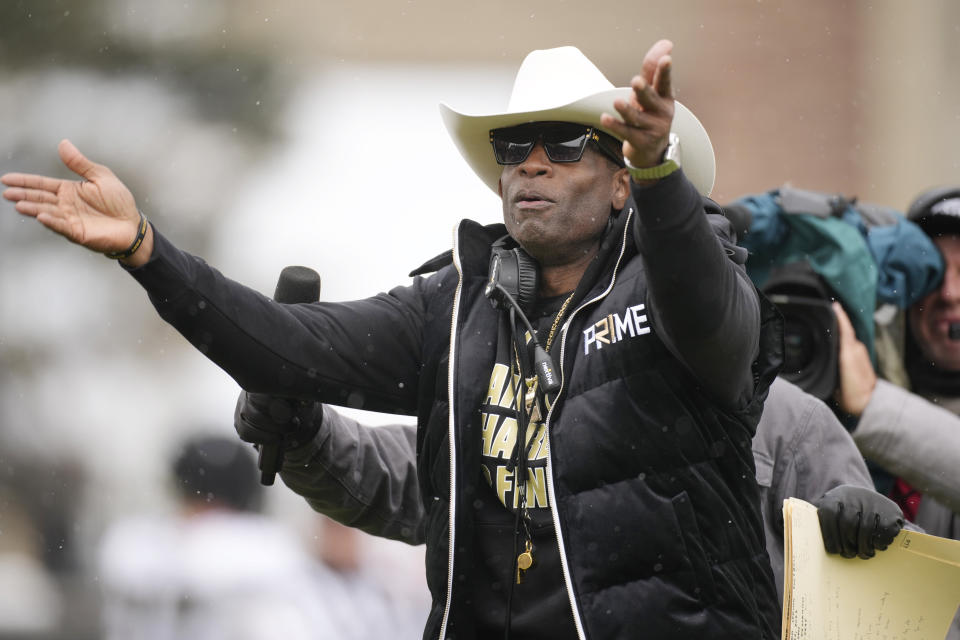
(621, 189)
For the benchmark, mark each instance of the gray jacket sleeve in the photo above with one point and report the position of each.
(801, 451)
(361, 476)
(913, 438)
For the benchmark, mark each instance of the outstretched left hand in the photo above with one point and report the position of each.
(648, 114)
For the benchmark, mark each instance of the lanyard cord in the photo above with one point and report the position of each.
(519, 464)
(521, 453)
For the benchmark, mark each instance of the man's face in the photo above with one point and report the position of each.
(558, 211)
(930, 318)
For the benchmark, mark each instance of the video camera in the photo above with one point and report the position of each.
(811, 248)
(810, 333)
(784, 230)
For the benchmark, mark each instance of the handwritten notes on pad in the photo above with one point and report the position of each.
(911, 591)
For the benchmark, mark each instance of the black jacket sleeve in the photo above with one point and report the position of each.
(310, 351)
(700, 297)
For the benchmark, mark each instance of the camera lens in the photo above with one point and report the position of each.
(799, 345)
(810, 346)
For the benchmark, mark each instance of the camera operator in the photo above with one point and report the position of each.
(811, 251)
(916, 436)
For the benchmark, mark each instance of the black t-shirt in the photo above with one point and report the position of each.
(540, 607)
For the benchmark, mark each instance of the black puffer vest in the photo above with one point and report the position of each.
(655, 501)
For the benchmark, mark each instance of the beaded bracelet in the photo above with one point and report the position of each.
(129, 251)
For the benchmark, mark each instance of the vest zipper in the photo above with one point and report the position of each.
(452, 429)
(568, 581)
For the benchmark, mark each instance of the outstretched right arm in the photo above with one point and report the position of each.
(364, 354)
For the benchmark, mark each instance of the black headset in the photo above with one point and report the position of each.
(515, 272)
(512, 285)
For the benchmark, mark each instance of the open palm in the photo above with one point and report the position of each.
(98, 212)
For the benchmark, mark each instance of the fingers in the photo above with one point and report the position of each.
(839, 522)
(888, 524)
(829, 529)
(34, 209)
(857, 376)
(848, 530)
(36, 203)
(886, 532)
(645, 114)
(17, 194)
(71, 157)
(885, 526)
(30, 181)
(866, 535)
(36, 196)
(79, 163)
(649, 96)
(857, 522)
(46, 213)
(844, 326)
(57, 223)
(651, 60)
(650, 88)
(617, 126)
(662, 79)
(637, 114)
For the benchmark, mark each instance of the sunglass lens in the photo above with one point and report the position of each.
(511, 152)
(565, 148)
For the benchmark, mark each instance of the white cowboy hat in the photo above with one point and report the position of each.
(562, 85)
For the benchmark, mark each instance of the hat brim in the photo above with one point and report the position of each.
(471, 134)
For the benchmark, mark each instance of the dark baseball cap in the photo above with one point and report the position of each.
(937, 211)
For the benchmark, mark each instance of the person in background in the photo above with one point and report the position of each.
(364, 601)
(219, 569)
(802, 451)
(33, 602)
(915, 437)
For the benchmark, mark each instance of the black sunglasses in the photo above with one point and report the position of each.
(562, 141)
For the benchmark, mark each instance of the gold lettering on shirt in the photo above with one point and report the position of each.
(538, 450)
(504, 440)
(487, 431)
(505, 485)
(499, 434)
(536, 488)
(498, 381)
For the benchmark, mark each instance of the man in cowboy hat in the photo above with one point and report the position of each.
(587, 376)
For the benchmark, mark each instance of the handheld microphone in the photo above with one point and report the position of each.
(295, 284)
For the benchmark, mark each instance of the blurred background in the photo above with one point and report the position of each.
(262, 134)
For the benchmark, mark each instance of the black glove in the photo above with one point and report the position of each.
(264, 420)
(856, 521)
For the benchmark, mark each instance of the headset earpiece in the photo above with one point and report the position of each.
(515, 271)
